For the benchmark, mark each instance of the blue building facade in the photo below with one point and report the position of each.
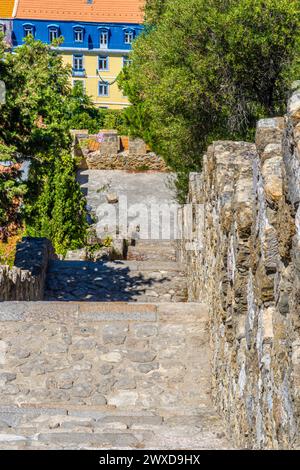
(95, 38)
(78, 36)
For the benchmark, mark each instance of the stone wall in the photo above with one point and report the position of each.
(243, 258)
(26, 279)
(109, 155)
(125, 161)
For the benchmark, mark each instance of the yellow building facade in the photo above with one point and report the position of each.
(96, 39)
(92, 78)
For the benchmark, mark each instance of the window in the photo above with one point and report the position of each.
(103, 63)
(78, 62)
(28, 31)
(128, 37)
(126, 61)
(78, 35)
(103, 89)
(103, 40)
(2, 28)
(53, 34)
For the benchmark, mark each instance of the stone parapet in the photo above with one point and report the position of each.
(109, 151)
(26, 279)
(242, 257)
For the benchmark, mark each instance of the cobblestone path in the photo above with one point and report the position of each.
(151, 273)
(112, 359)
(106, 375)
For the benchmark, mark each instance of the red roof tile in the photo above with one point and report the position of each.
(106, 11)
(6, 8)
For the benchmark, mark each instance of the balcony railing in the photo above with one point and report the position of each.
(78, 72)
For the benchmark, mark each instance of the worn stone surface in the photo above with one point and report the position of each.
(104, 152)
(71, 384)
(242, 256)
(26, 280)
(125, 161)
(140, 195)
(142, 281)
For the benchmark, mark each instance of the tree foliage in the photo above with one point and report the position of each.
(59, 211)
(35, 124)
(208, 69)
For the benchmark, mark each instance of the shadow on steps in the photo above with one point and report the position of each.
(114, 281)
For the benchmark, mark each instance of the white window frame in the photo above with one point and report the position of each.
(128, 36)
(78, 35)
(28, 31)
(104, 58)
(103, 39)
(77, 60)
(105, 85)
(53, 34)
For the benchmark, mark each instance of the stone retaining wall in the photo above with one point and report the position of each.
(26, 279)
(109, 155)
(243, 258)
(125, 161)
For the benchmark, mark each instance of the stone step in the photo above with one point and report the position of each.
(145, 281)
(57, 266)
(170, 313)
(91, 429)
(106, 375)
(146, 250)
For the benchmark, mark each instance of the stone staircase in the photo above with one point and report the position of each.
(112, 359)
(145, 250)
(106, 375)
(150, 273)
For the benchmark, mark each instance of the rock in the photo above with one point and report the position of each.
(7, 377)
(84, 365)
(3, 426)
(56, 348)
(151, 293)
(125, 383)
(145, 331)
(294, 106)
(98, 399)
(106, 385)
(77, 356)
(106, 369)
(11, 438)
(112, 198)
(141, 356)
(22, 353)
(85, 344)
(76, 255)
(111, 357)
(3, 350)
(9, 389)
(82, 390)
(115, 334)
(123, 399)
(146, 368)
(66, 380)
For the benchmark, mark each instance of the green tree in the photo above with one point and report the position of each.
(35, 121)
(11, 191)
(208, 69)
(154, 9)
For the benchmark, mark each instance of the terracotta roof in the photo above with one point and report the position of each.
(106, 11)
(6, 8)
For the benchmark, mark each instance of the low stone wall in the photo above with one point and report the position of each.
(125, 161)
(243, 258)
(26, 279)
(104, 152)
